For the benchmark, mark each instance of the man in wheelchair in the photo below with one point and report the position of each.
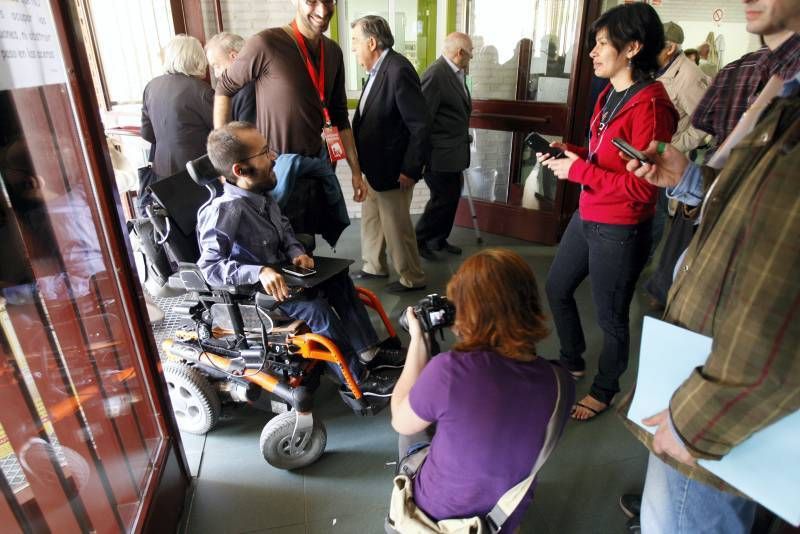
(242, 235)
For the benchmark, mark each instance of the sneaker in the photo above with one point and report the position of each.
(631, 504)
(376, 385)
(387, 359)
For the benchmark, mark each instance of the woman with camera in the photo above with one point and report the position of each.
(491, 398)
(608, 238)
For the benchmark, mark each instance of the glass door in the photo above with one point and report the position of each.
(526, 76)
(83, 437)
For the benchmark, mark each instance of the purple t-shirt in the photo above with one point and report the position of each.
(491, 415)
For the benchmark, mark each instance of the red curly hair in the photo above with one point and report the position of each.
(497, 305)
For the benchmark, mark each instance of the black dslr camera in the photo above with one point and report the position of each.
(434, 312)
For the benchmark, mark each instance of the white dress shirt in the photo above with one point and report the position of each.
(372, 73)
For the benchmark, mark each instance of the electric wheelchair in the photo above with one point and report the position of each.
(235, 345)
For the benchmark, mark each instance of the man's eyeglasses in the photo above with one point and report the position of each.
(271, 154)
(326, 3)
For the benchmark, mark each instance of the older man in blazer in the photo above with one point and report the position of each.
(449, 105)
(392, 137)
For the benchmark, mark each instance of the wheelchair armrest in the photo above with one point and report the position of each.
(265, 301)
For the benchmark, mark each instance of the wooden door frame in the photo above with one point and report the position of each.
(567, 120)
(163, 497)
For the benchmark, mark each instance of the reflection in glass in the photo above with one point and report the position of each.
(525, 57)
(80, 431)
(488, 172)
(538, 182)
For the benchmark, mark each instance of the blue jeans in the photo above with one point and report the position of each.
(341, 317)
(675, 504)
(612, 256)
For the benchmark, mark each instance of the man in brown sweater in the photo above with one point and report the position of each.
(289, 110)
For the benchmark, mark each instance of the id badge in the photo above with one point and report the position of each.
(334, 141)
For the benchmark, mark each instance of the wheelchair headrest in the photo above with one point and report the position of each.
(181, 197)
(202, 170)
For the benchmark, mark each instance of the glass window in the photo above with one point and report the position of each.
(130, 36)
(538, 182)
(527, 57)
(413, 25)
(488, 173)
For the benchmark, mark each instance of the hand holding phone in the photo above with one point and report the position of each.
(629, 151)
(540, 144)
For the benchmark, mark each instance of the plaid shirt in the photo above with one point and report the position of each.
(739, 284)
(737, 85)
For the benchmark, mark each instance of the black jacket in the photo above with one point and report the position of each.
(392, 136)
(449, 107)
(177, 116)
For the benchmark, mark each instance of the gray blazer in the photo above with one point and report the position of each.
(177, 115)
(449, 107)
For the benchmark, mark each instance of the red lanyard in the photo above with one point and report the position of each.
(318, 79)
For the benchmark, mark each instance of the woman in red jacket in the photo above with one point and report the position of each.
(609, 237)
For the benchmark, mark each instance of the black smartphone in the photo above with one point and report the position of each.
(296, 270)
(629, 151)
(540, 144)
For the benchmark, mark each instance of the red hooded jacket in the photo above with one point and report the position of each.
(611, 194)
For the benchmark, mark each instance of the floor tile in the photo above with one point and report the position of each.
(347, 490)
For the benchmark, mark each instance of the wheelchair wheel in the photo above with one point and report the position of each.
(194, 402)
(276, 442)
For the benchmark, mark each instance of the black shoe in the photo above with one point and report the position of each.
(634, 524)
(387, 359)
(376, 385)
(363, 275)
(452, 249)
(426, 252)
(631, 504)
(397, 287)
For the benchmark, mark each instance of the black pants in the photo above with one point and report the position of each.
(612, 256)
(437, 220)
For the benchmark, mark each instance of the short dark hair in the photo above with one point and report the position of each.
(376, 27)
(633, 22)
(225, 148)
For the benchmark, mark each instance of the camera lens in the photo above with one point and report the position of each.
(402, 321)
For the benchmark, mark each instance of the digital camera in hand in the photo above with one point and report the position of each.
(434, 312)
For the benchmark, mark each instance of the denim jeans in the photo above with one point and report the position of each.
(675, 504)
(341, 317)
(612, 256)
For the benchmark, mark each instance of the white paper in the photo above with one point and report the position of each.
(667, 356)
(766, 466)
(30, 54)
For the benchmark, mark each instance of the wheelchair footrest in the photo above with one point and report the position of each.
(366, 405)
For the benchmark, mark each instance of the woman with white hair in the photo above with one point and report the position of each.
(177, 107)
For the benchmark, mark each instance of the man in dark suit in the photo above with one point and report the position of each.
(392, 138)
(449, 106)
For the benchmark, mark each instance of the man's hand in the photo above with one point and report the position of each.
(664, 440)
(273, 283)
(559, 166)
(667, 168)
(405, 182)
(359, 187)
(304, 260)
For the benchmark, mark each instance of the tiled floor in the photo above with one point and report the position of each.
(347, 490)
